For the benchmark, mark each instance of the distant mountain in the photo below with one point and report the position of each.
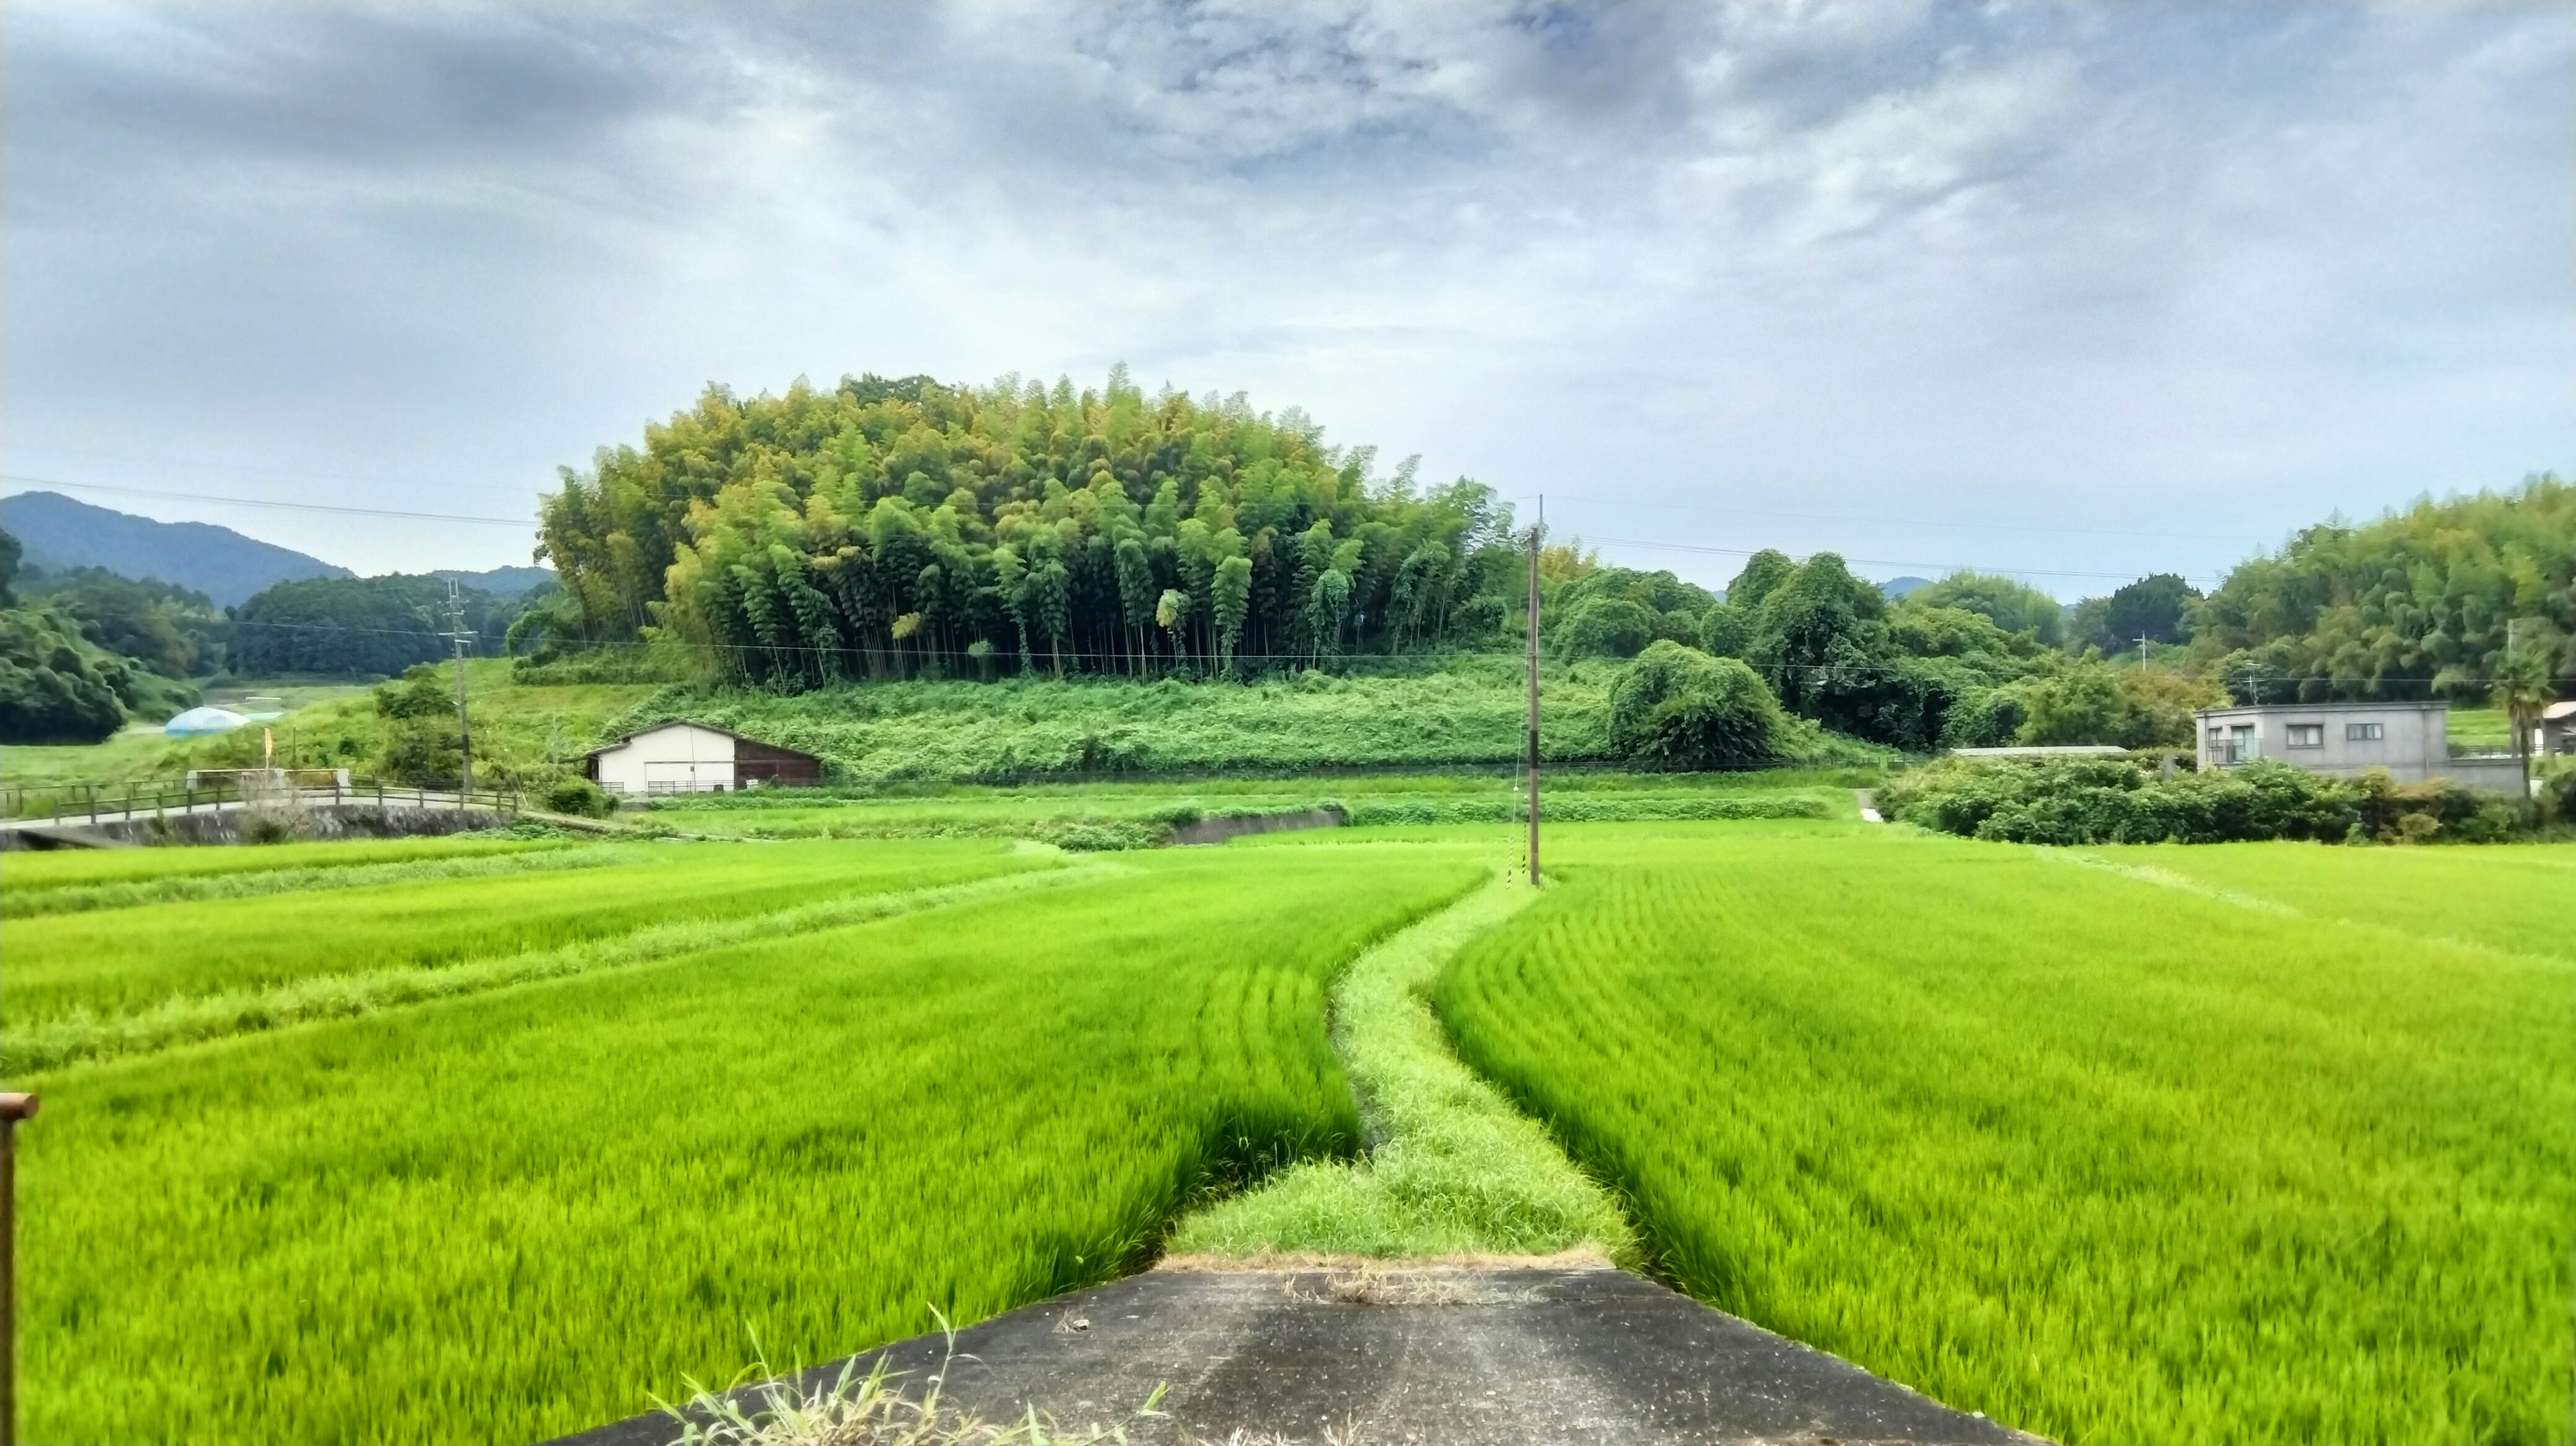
(59, 532)
(501, 581)
(1897, 587)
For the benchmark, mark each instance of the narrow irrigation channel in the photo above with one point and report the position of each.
(1458, 1283)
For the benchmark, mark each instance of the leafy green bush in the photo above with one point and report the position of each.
(2097, 801)
(1679, 705)
(581, 798)
(56, 686)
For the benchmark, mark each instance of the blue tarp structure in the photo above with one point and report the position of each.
(203, 720)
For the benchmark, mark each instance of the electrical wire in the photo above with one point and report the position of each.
(1108, 655)
(258, 502)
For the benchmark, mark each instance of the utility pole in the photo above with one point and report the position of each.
(13, 1108)
(2513, 715)
(2142, 650)
(464, 726)
(1533, 688)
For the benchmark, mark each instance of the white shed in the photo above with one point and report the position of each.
(684, 757)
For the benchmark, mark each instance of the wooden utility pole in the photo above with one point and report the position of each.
(464, 726)
(13, 1108)
(1540, 527)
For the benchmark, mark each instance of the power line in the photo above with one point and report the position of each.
(203, 465)
(528, 523)
(1111, 655)
(1876, 561)
(1908, 522)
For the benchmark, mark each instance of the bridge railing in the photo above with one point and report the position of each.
(116, 802)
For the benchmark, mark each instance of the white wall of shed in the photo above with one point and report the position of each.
(676, 756)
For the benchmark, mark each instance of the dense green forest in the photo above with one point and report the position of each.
(2438, 601)
(79, 651)
(357, 626)
(897, 529)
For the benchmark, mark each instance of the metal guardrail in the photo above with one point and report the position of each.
(116, 803)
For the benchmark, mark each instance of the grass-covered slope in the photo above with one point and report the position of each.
(2108, 1161)
(1470, 712)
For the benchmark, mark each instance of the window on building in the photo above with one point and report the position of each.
(2307, 735)
(2364, 732)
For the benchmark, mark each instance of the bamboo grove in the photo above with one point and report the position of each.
(910, 528)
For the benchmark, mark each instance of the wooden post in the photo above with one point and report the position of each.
(13, 1108)
(1533, 689)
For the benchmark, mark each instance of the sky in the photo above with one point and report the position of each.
(2073, 291)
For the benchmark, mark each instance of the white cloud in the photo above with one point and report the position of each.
(1896, 261)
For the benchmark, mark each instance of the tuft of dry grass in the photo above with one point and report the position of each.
(848, 1408)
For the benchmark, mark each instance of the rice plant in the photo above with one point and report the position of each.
(1452, 1169)
(325, 871)
(74, 868)
(2108, 1161)
(532, 1209)
(2520, 897)
(107, 964)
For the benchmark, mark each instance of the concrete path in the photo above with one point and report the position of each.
(1439, 1357)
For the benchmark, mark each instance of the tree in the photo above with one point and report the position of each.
(1231, 599)
(786, 537)
(2412, 606)
(1724, 630)
(1607, 627)
(167, 629)
(356, 626)
(1810, 627)
(56, 686)
(1763, 571)
(2157, 607)
(2522, 689)
(1678, 705)
(2015, 607)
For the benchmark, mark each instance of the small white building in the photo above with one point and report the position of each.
(2557, 731)
(2411, 740)
(683, 757)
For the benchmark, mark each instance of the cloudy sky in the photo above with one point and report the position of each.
(2078, 291)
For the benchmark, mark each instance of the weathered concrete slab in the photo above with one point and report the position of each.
(1437, 1357)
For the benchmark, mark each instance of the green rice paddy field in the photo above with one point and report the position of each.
(488, 1142)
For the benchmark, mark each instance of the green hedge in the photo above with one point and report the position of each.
(2099, 801)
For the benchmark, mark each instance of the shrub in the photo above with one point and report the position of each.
(1679, 705)
(2120, 801)
(581, 798)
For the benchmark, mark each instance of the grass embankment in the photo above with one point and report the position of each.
(2107, 1161)
(1452, 1168)
(1143, 815)
(1469, 711)
(512, 1214)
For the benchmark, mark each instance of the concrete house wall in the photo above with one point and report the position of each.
(2413, 739)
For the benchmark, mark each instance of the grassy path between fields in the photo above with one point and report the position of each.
(1452, 1168)
(200, 1018)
